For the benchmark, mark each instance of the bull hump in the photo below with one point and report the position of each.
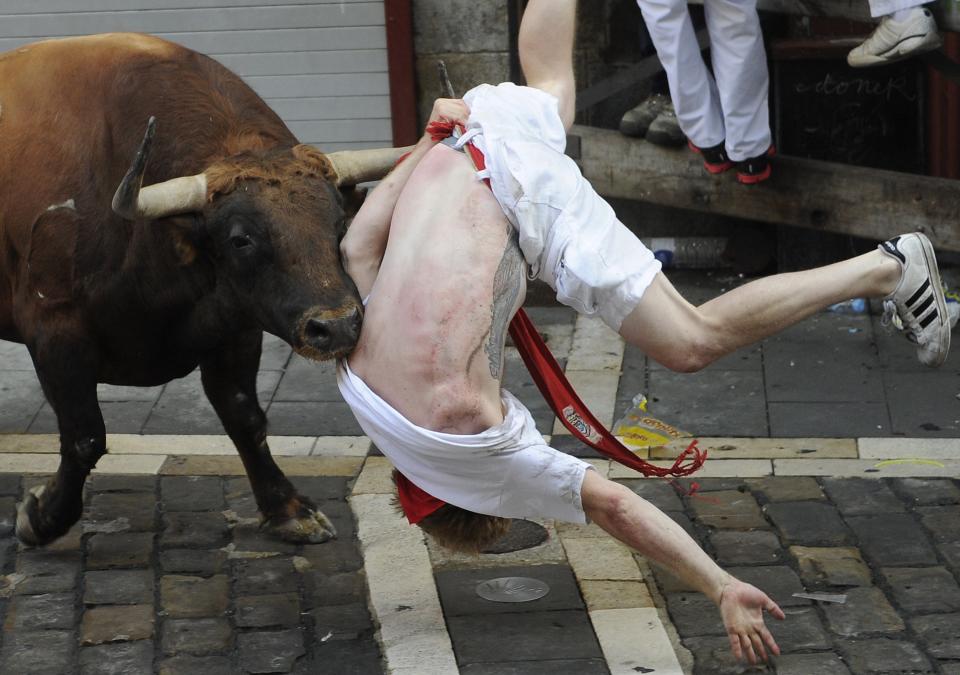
(131, 42)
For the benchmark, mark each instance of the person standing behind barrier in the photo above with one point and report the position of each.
(906, 29)
(725, 116)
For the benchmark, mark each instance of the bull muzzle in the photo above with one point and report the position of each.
(325, 334)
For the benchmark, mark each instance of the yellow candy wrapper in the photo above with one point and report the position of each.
(639, 430)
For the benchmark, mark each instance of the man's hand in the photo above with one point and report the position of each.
(446, 115)
(742, 607)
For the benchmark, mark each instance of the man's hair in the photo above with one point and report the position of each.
(458, 529)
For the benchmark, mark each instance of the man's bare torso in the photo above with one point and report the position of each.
(451, 279)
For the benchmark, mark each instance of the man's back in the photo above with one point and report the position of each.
(450, 281)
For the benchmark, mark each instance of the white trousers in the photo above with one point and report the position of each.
(732, 104)
(880, 8)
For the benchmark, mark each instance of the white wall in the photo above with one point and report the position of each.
(321, 64)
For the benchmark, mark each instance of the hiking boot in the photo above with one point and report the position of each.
(715, 158)
(755, 170)
(636, 121)
(665, 130)
(897, 40)
(917, 305)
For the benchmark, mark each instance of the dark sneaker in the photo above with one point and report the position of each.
(917, 305)
(715, 158)
(636, 121)
(665, 130)
(755, 170)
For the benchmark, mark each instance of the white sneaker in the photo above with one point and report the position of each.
(917, 305)
(896, 40)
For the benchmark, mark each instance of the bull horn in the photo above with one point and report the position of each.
(178, 195)
(360, 166)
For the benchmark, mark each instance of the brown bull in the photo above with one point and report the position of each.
(237, 232)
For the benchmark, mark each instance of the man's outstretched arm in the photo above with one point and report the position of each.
(365, 242)
(645, 528)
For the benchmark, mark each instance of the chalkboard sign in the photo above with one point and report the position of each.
(868, 117)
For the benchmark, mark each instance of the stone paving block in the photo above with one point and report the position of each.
(196, 665)
(802, 630)
(121, 417)
(922, 404)
(927, 491)
(457, 590)
(104, 482)
(659, 493)
(126, 549)
(305, 380)
(923, 590)
(322, 488)
(855, 419)
(864, 468)
(764, 448)
(333, 556)
(601, 559)
(693, 614)
(668, 582)
(940, 633)
(274, 353)
(893, 539)
(942, 521)
(199, 637)
(546, 635)
(553, 667)
(831, 566)
(117, 659)
(728, 509)
(20, 400)
(899, 448)
(327, 418)
(48, 611)
(602, 594)
(250, 537)
(270, 651)
(786, 488)
(202, 562)
(47, 572)
(778, 581)
(808, 523)
(334, 589)
(951, 553)
(342, 622)
(192, 493)
(866, 611)
(265, 576)
(703, 483)
(118, 587)
(760, 547)
(713, 656)
(861, 497)
(194, 530)
(116, 623)
(822, 663)
(886, 656)
(137, 510)
(42, 652)
(352, 657)
(183, 597)
(714, 402)
(263, 611)
(10, 484)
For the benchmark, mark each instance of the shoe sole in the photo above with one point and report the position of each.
(930, 260)
(903, 50)
(711, 168)
(753, 179)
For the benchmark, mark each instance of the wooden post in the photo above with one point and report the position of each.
(834, 197)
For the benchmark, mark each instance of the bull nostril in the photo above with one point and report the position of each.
(317, 333)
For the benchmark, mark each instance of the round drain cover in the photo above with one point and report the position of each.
(512, 589)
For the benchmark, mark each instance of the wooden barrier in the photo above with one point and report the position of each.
(807, 193)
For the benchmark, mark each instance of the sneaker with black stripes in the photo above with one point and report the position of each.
(917, 305)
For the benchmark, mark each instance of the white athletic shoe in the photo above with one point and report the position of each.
(917, 306)
(896, 40)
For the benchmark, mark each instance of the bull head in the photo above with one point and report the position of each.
(189, 193)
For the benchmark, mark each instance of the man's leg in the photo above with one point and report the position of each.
(546, 51)
(686, 338)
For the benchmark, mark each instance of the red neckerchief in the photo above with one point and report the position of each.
(555, 388)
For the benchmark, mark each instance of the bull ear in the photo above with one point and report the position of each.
(360, 166)
(178, 195)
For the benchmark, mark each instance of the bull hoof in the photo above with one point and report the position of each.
(28, 513)
(308, 528)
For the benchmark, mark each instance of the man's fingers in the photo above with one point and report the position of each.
(758, 646)
(735, 646)
(748, 649)
(774, 609)
(771, 643)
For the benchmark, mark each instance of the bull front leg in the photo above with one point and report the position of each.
(68, 376)
(229, 380)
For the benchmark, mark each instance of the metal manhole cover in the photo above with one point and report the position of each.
(512, 589)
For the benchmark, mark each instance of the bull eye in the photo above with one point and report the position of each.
(241, 241)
